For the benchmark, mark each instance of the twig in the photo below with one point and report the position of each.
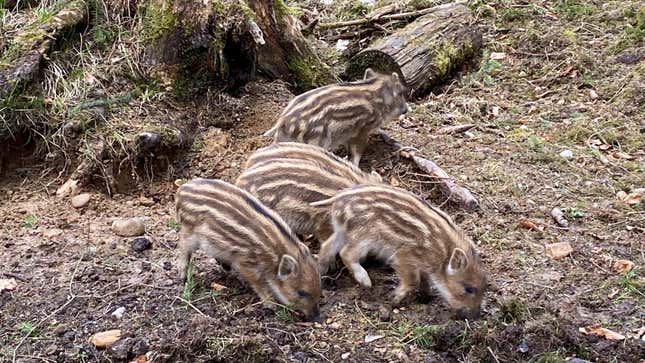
(193, 306)
(455, 129)
(384, 18)
(449, 187)
(493, 354)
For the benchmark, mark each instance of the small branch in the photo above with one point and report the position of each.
(379, 19)
(455, 129)
(449, 187)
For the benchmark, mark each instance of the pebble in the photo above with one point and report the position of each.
(121, 349)
(344, 355)
(118, 313)
(334, 325)
(140, 347)
(128, 227)
(141, 244)
(566, 154)
(371, 338)
(81, 200)
(146, 202)
(558, 250)
(524, 346)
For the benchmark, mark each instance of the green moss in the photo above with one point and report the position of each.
(157, 21)
(353, 10)
(309, 73)
(445, 58)
(572, 9)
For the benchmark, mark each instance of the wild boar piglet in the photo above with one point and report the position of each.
(342, 114)
(288, 176)
(419, 241)
(235, 228)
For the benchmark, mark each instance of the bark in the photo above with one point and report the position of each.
(231, 40)
(425, 51)
(26, 51)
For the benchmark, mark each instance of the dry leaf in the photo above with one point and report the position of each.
(217, 287)
(558, 250)
(601, 332)
(105, 338)
(530, 225)
(622, 266)
(371, 338)
(394, 182)
(634, 197)
(8, 284)
(622, 155)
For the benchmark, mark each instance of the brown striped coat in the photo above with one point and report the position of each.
(342, 114)
(418, 240)
(234, 227)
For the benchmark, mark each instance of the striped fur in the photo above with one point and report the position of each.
(287, 177)
(418, 240)
(342, 114)
(234, 227)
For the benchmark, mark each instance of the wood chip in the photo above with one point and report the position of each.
(593, 95)
(634, 197)
(105, 338)
(558, 250)
(497, 55)
(622, 155)
(623, 266)
(217, 287)
(601, 332)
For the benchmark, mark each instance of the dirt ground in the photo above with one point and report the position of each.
(553, 77)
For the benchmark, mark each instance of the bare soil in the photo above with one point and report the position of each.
(527, 108)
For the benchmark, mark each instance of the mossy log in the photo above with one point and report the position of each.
(229, 40)
(22, 58)
(425, 51)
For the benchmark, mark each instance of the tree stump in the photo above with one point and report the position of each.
(425, 51)
(228, 40)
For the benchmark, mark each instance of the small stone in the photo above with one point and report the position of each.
(524, 346)
(497, 55)
(558, 250)
(593, 95)
(52, 232)
(566, 154)
(128, 227)
(60, 330)
(335, 325)
(371, 338)
(118, 313)
(105, 338)
(344, 355)
(578, 360)
(81, 200)
(141, 244)
(121, 349)
(146, 202)
(140, 347)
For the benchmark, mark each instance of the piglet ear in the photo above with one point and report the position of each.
(458, 261)
(369, 73)
(288, 266)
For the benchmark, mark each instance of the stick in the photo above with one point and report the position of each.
(449, 187)
(384, 18)
(455, 129)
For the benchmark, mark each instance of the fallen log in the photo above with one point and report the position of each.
(450, 189)
(425, 51)
(31, 46)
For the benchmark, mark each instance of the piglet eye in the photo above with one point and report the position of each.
(303, 294)
(470, 290)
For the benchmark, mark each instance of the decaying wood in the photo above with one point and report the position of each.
(454, 192)
(32, 44)
(425, 51)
